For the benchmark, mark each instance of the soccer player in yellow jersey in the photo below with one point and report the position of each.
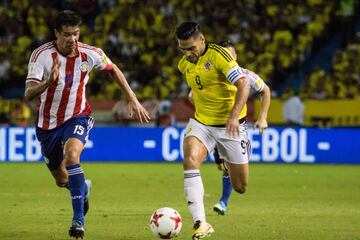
(220, 91)
(257, 86)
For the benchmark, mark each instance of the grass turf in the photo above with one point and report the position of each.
(283, 202)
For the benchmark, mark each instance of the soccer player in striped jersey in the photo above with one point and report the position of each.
(57, 75)
(220, 91)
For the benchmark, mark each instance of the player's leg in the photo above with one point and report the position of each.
(88, 185)
(60, 175)
(195, 147)
(238, 164)
(227, 188)
(75, 136)
(239, 175)
(61, 178)
(72, 150)
(194, 153)
(236, 152)
(221, 206)
(52, 150)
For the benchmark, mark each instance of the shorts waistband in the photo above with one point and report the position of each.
(241, 121)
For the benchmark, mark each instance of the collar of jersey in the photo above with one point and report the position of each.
(206, 48)
(77, 51)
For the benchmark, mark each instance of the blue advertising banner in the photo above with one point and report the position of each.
(289, 145)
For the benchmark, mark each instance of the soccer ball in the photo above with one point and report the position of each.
(165, 223)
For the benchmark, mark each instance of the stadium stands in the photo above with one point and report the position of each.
(274, 38)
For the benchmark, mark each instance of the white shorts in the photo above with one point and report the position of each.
(234, 150)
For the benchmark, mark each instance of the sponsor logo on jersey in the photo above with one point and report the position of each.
(207, 66)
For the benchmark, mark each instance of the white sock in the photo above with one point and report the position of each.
(194, 193)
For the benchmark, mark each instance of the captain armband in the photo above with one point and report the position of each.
(234, 74)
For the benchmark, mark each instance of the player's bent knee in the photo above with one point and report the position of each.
(61, 184)
(240, 189)
(72, 155)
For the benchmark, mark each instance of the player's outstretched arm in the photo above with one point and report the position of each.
(242, 94)
(261, 122)
(134, 105)
(34, 89)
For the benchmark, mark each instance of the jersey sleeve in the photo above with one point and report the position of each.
(258, 84)
(35, 69)
(181, 65)
(227, 65)
(101, 61)
(255, 82)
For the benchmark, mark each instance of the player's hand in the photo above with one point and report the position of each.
(135, 108)
(221, 167)
(262, 124)
(232, 127)
(55, 71)
(191, 97)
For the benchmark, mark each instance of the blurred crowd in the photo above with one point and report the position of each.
(342, 82)
(273, 38)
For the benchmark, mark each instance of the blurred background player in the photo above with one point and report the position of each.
(293, 110)
(257, 86)
(220, 92)
(164, 114)
(57, 75)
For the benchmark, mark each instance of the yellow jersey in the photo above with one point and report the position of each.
(211, 81)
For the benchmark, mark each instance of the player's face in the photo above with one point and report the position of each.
(233, 52)
(192, 48)
(67, 39)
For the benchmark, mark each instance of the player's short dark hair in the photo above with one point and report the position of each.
(187, 30)
(67, 18)
(226, 43)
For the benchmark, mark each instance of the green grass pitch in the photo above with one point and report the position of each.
(283, 202)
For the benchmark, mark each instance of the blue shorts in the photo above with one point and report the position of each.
(52, 141)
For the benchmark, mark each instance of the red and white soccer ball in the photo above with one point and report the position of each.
(165, 223)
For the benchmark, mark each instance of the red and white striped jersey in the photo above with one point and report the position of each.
(65, 97)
